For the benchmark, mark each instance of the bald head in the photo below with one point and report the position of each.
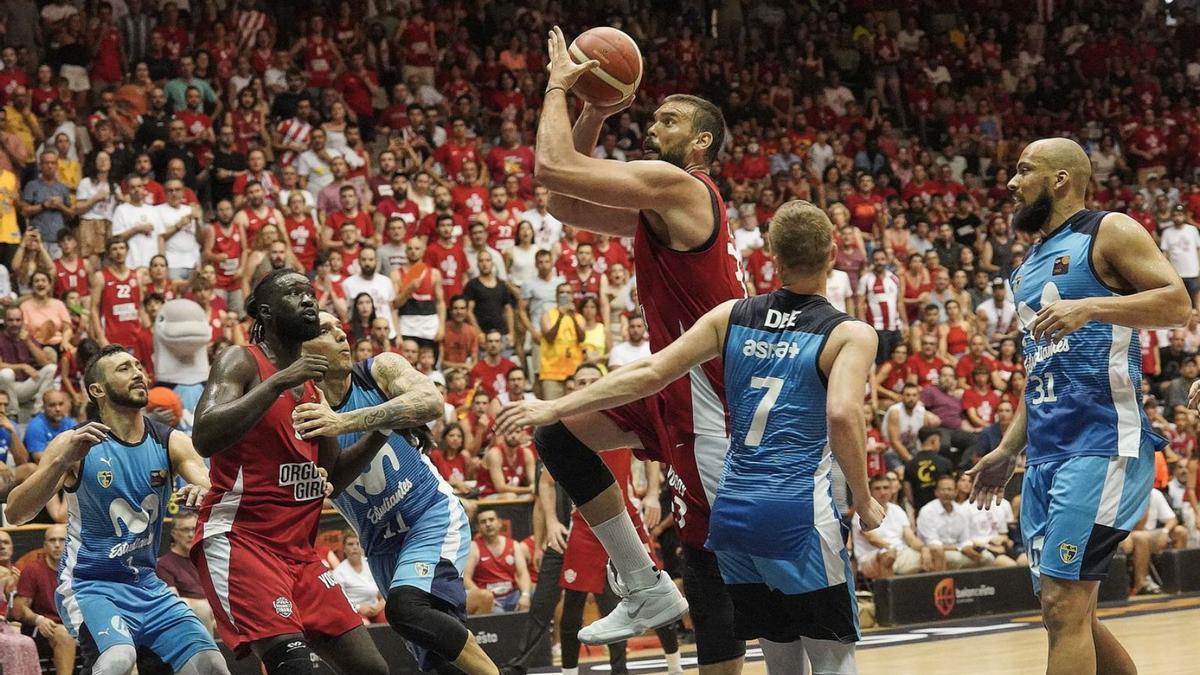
(1055, 155)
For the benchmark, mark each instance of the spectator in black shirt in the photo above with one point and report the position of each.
(227, 165)
(106, 140)
(1170, 358)
(284, 105)
(176, 148)
(948, 250)
(490, 302)
(922, 472)
(965, 222)
(156, 123)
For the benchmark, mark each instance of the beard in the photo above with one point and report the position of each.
(652, 149)
(367, 271)
(133, 398)
(1032, 217)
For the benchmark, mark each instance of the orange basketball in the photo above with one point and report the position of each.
(620, 69)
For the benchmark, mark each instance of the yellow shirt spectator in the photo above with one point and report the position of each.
(562, 355)
(69, 172)
(9, 231)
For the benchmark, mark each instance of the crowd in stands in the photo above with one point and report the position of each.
(161, 149)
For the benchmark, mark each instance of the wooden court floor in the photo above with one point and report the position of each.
(1161, 638)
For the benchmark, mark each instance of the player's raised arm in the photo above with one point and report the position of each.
(58, 468)
(412, 400)
(701, 343)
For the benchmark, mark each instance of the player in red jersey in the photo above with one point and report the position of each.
(226, 249)
(268, 588)
(117, 316)
(686, 265)
(501, 220)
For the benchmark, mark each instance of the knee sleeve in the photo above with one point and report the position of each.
(294, 657)
(207, 662)
(411, 612)
(116, 660)
(574, 465)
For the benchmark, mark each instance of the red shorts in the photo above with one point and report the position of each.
(256, 594)
(645, 419)
(585, 560)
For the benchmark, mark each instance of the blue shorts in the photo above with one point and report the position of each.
(146, 614)
(431, 558)
(1077, 511)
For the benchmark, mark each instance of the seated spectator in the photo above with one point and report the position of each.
(26, 371)
(946, 523)
(892, 548)
(46, 317)
(514, 390)
(944, 399)
(11, 444)
(18, 652)
(1176, 393)
(357, 581)
(922, 472)
(177, 571)
(451, 459)
(636, 347)
(979, 401)
(902, 422)
(507, 469)
(926, 364)
(1158, 530)
(47, 424)
(990, 527)
(35, 606)
(491, 372)
(989, 438)
(497, 564)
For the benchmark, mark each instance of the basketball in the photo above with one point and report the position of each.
(620, 69)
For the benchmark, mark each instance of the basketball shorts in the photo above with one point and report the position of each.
(1076, 511)
(103, 614)
(711, 608)
(256, 594)
(775, 600)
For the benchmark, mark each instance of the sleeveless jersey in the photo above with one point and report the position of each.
(119, 304)
(66, 279)
(115, 512)
(513, 470)
(496, 573)
(255, 223)
(397, 487)
(230, 243)
(265, 486)
(247, 128)
(676, 288)
(423, 300)
(1083, 393)
(776, 476)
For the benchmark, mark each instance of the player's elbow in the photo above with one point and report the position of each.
(548, 172)
(844, 415)
(1179, 308)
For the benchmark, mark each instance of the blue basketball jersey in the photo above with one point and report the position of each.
(397, 487)
(1083, 396)
(776, 475)
(115, 512)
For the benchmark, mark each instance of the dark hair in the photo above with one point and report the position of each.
(91, 375)
(926, 432)
(705, 117)
(586, 366)
(153, 297)
(356, 329)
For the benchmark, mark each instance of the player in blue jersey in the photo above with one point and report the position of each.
(774, 527)
(119, 471)
(1086, 286)
(414, 530)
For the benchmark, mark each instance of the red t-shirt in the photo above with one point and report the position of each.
(863, 210)
(451, 156)
(967, 363)
(453, 470)
(469, 200)
(985, 404)
(502, 228)
(492, 379)
(926, 371)
(38, 581)
(459, 342)
(451, 261)
(365, 227)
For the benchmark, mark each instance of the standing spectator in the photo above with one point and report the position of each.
(51, 422)
(446, 253)
(477, 245)
(356, 579)
(137, 224)
(490, 374)
(136, 27)
(10, 232)
(422, 305)
(180, 227)
(636, 347)
(98, 195)
(1181, 243)
(378, 286)
(490, 302)
(179, 573)
(27, 372)
(35, 606)
(547, 229)
(979, 401)
(45, 201)
(947, 523)
(292, 135)
(460, 343)
(881, 291)
(561, 344)
(998, 316)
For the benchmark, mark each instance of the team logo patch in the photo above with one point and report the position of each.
(104, 478)
(1016, 284)
(1068, 552)
(570, 576)
(1062, 264)
(509, 560)
(945, 596)
(158, 477)
(283, 607)
(422, 569)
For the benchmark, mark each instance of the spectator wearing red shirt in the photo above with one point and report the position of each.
(609, 252)
(451, 459)
(926, 363)
(507, 468)
(420, 48)
(470, 196)
(975, 357)
(357, 85)
(456, 151)
(302, 233)
(12, 75)
(350, 213)
(178, 571)
(980, 400)
(501, 220)
(1148, 146)
(512, 158)
(865, 204)
(109, 56)
(35, 606)
(446, 253)
(397, 205)
(491, 373)
(443, 204)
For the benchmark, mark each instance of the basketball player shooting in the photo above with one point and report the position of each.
(1091, 280)
(686, 266)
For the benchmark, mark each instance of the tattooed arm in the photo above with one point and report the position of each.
(413, 400)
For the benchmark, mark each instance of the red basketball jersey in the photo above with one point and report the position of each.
(67, 279)
(119, 304)
(676, 288)
(266, 486)
(496, 573)
(255, 222)
(229, 243)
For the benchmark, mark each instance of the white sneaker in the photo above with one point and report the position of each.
(638, 612)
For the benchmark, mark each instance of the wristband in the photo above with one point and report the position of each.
(550, 89)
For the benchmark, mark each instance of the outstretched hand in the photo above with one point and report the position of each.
(562, 69)
(316, 419)
(989, 476)
(522, 414)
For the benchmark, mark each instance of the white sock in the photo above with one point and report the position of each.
(673, 664)
(627, 552)
(571, 671)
